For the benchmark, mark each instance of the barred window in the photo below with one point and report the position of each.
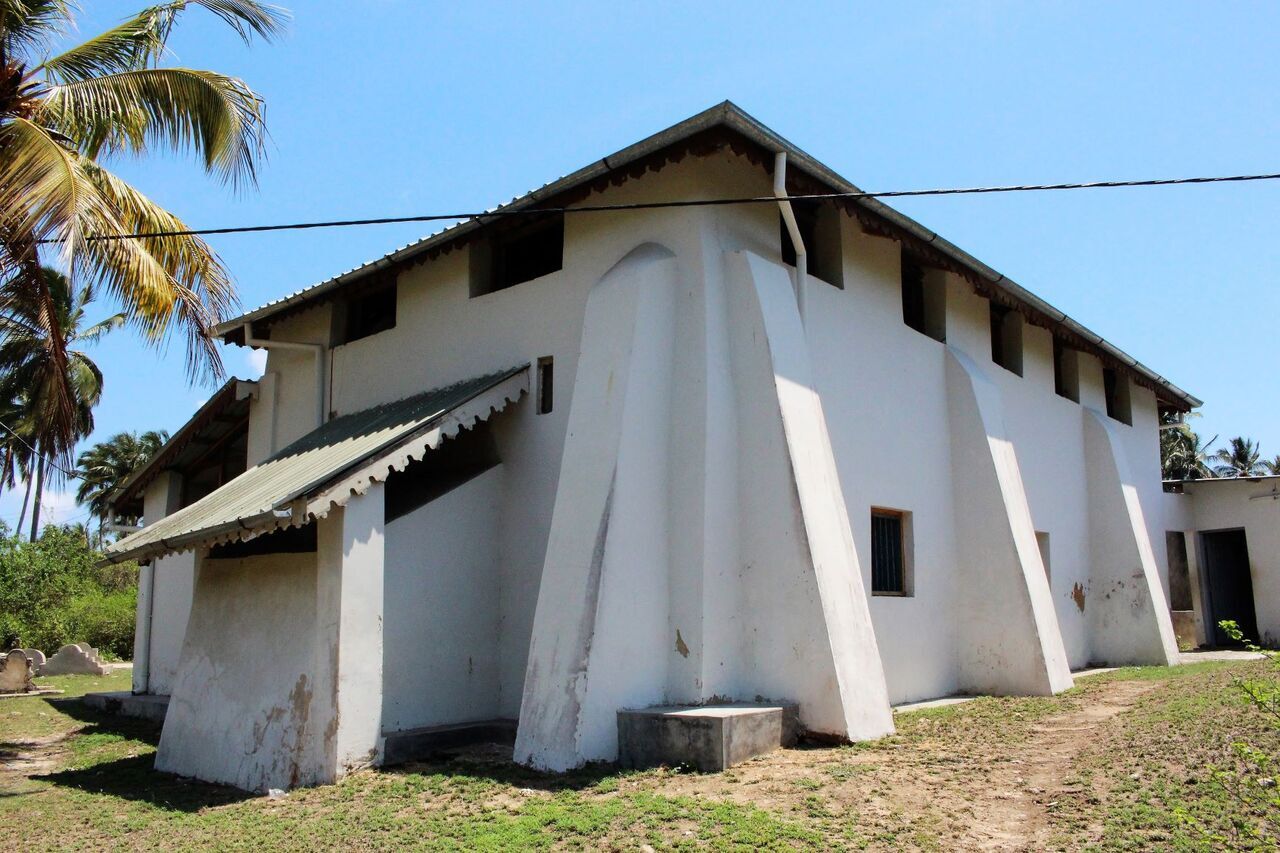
(889, 553)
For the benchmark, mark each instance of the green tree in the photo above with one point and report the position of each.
(63, 115)
(52, 593)
(1240, 458)
(1272, 466)
(102, 468)
(30, 373)
(1183, 454)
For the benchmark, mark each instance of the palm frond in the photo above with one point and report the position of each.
(28, 26)
(247, 17)
(170, 283)
(184, 109)
(95, 332)
(42, 192)
(128, 46)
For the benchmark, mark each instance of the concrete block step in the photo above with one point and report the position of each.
(146, 706)
(708, 738)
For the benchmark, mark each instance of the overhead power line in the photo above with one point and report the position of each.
(48, 459)
(658, 205)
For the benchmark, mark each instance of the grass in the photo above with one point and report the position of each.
(949, 777)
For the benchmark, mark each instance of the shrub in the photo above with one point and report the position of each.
(53, 593)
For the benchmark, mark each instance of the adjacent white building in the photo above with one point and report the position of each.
(541, 467)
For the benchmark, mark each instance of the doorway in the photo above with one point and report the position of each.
(1229, 586)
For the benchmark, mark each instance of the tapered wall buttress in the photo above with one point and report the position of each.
(1129, 620)
(807, 631)
(1010, 642)
(615, 624)
(600, 624)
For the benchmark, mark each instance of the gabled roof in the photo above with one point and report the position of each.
(325, 468)
(726, 125)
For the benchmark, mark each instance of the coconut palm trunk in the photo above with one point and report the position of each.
(26, 500)
(35, 508)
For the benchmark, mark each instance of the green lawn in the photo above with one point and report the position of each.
(1120, 762)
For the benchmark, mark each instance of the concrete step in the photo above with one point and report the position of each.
(708, 738)
(146, 706)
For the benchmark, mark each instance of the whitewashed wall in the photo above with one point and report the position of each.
(1227, 504)
(443, 609)
(167, 601)
(884, 393)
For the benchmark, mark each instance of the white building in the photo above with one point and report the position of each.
(539, 468)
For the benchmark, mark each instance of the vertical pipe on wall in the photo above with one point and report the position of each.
(793, 229)
(318, 350)
(142, 638)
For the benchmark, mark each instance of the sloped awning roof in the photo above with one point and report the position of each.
(325, 468)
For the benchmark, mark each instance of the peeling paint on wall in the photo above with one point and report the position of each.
(1077, 595)
(680, 645)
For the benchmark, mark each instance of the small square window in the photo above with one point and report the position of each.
(1006, 338)
(890, 552)
(514, 254)
(1066, 371)
(1115, 387)
(368, 313)
(1042, 539)
(924, 305)
(819, 226)
(546, 388)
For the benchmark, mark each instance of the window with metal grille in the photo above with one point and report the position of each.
(888, 553)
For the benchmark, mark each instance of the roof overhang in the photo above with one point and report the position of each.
(648, 154)
(325, 468)
(220, 412)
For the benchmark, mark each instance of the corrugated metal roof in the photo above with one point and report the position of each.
(325, 468)
(731, 116)
(133, 487)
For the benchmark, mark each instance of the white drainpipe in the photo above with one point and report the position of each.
(789, 217)
(142, 646)
(316, 349)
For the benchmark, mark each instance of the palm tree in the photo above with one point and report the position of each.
(1239, 459)
(62, 115)
(1183, 454)
(103, 467)
(17, 436)
(1272, 466)
(29, 373)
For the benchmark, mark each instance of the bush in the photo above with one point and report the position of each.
(53, 593)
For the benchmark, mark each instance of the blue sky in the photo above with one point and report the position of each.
(419, 107)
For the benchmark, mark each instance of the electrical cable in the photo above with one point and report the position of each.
(48, 460)
(659, 205)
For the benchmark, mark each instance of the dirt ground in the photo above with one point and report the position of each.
(1119, 762)
(1002, 797)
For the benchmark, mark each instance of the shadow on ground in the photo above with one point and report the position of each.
(137, 779)
(493, 762)
(133, 778)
